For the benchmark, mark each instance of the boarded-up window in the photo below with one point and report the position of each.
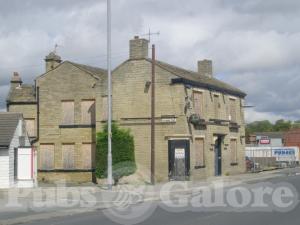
(198, 102)
(216, 106)
(30, 127)
(232, 110)
(199, 149)
(233, 150)
(88, 155)
(68, 151)
(88, 111)
(67, 112)
(104, 108)
(46, 156)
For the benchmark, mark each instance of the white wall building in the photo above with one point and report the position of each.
(17, 157)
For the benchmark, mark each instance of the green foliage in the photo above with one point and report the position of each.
(267, 126)
(282, 125)
(259, 126)
(123, 158)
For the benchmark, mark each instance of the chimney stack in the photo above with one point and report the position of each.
(138, 48)
(205, 68)
(52, 60)
(16, 80)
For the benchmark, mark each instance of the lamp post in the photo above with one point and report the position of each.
(109, 87)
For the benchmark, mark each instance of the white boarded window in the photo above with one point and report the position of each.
(199, 152)
(46, 156)
(232, 110)
(88, 111)
(67, 112)
(30, 127)
(88, 155)
(198, 102)
(68, 151)
(104, 108)
(233, 150)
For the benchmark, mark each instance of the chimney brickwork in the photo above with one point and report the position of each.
(139, 48)
(205, 68)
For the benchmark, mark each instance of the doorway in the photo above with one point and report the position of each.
(179, 159)
(218, 154)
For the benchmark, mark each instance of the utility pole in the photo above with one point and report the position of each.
(109, 155)
(153, 117)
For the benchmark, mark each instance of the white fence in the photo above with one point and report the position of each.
(282, 154)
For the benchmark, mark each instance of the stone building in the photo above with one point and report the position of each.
(60, 114)
(200, 129)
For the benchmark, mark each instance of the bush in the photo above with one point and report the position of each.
(123, 158)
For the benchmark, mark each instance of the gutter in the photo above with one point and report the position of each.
(37, 116)
(207, 86)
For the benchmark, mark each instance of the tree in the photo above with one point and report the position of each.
(123, 158)
(282, 125)
(259, 126)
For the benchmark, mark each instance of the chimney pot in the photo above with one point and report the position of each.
(52, 60)
(205, 68)
(16, 80)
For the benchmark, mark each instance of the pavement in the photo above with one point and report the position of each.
(88, 204)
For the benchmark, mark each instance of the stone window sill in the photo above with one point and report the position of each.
(77, 126)
(199, 167)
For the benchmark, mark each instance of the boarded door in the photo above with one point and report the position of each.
(179, 159)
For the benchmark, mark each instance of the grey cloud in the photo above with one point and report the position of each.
(254, 44)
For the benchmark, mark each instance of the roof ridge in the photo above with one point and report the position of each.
(196, 77)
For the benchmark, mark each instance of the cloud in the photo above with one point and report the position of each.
(254, 44)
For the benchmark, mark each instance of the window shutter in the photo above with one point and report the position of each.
(233, 110)
(88, 111)
(68, 112)
(216, 106)
(198, 102)
(233, 149)
(199, 149)
(88, 156)
(68, 156)
(46, 157)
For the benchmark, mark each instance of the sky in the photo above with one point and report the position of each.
(254, 44)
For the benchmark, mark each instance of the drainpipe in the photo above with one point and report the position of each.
(34, 152)
(37, 117)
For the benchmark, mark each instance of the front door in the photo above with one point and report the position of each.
(179, 159)
(218, 156)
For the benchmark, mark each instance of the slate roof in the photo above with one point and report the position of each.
(195, 79)
(98, 72)
(24, 93)
(8, 125)
(270, 134)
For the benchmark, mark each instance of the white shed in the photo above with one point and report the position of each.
(17, 157)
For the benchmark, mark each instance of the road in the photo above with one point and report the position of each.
(161, 216)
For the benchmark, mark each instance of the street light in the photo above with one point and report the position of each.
(109, 155)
